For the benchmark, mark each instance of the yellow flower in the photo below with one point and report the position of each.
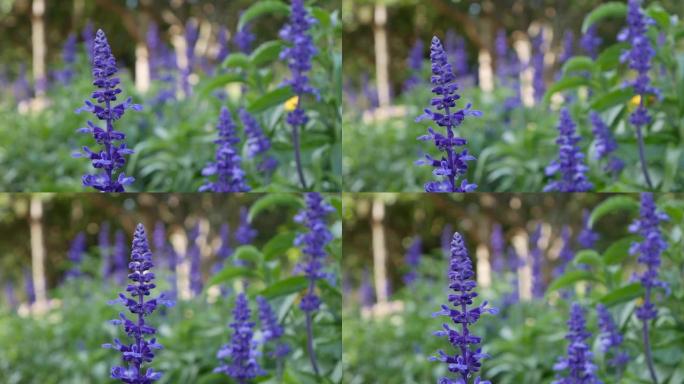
(636, 100)
(291, 103)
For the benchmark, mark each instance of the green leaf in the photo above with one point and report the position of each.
(271, 99)
(278, 245)
(579, 63)
(272, 200)
(611, 99)
(260, 8)
(587, 256)
(612, 204)
(229, 273)
(564, 84)
(247, 253)
(612, 9)
(657, 13)
(266, 53)
(286, 286)
(622, 294)
(618, 251)
(219, 81)
(609, 58)
(569, 278)
(236, 60)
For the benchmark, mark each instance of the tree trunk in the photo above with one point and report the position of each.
(381, 55)
(37, 252)
(142, 67)
(379, 250)
(39, 47)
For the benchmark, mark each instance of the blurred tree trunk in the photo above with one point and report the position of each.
(379, 250)
(381, 55)
(39, 47)
(37, 251)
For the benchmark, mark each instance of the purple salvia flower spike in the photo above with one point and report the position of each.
(225, 250)
(120, 258)
(298, 55)
(69, 58)
(536, 258)
(464, 363)
(75, 256)
(587, 238)
(195, 257)
(568, 47)
(649, 250)
(454, 165)
(639, 57)
(538, 81)
(245, 233)
(244, 38)
(578, 366)
(498, 245)
(228, 170)
(312, 244)
(257, 142)
(366, 290)
(605, 145)
(271, 329)
(415, 65)
(570, 163)
(241, 352)
(29, 287)
(191, 36)
(566, 253)
(610, 339)
(412, 258)
(591, 42)
(141, 350)
(112, 156)
(222, 41)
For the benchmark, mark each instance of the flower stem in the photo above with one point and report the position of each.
(642, 151)
(298, 150)
(647, 353)
(309, 342)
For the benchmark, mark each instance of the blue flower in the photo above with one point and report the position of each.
(578, 366)
(610, 338)
(111, 158)
(141, 350)
(570, 162)
(228, 165)
(244, 38)
(271, 329)
(591, 42)
(69, 58)
(454, 164)
(568, 47)
(78, 248)
(245, 233)
(465, 363)
(538, 82)
(241, 351)
(497, 243)
(605, 145)
(257, 142)
(415, 65)
(412, 258)
(587, 237)
(566, 253)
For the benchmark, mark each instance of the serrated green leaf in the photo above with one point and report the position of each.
(271, 99)
(611, 9)
(618, 251)
(564, 84)
(587, 256)
(278, 245)
(622, 294)
(263, 7)
(569, 278)
(284, 287)
(266, 53)
(579, 63)
(610, 205)
(272, 200)
(608, 100)
(229, 273)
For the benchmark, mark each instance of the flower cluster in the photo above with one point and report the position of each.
(578, 363)
(412, 258)
(78, 247)
(536, 257)
(453, 164)
(566, 253)
(229, 174)
(313, 244)
(568, 47)
(497, 243)
(245, 234)
(141, 350)
(587, 237)
(415, 65)
(538, 83)
(465, 363)
(649, 250)
(111, 157)
(605, 145)
(193, 253)
(257, 142)
(244, 38)
(69, 58)
(591, 42)
(570, 162)
(241, 352)
(120, 257)
(459, 55)
(610, 338)
(271, 329)
(191, 36)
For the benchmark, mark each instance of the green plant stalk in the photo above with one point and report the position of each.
(642, 151)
